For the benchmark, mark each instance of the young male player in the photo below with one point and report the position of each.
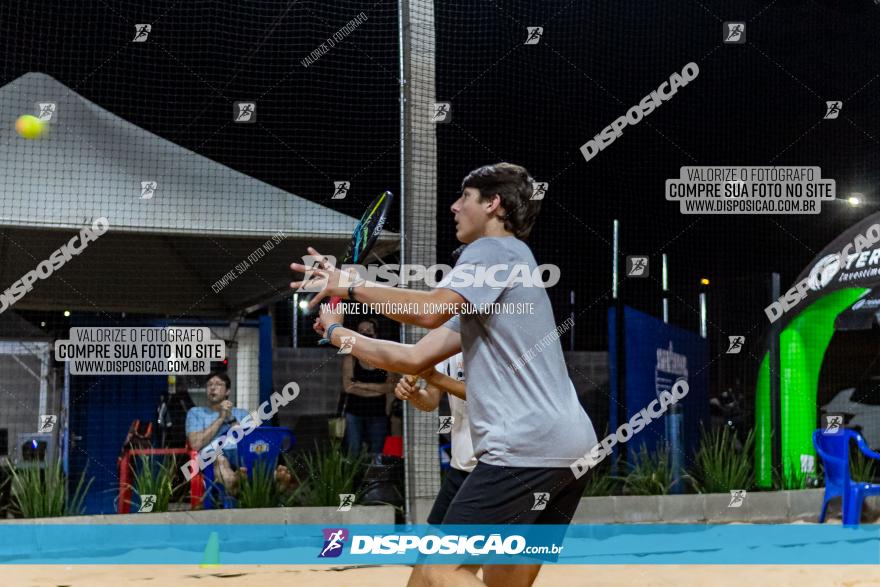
(526, 422)
(447, 377)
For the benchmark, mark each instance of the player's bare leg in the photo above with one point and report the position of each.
(419, 578)
(444, 576)
(510, 575)
(229, 478)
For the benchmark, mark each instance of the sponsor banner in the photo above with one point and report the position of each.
(852, 260)
(385, 544)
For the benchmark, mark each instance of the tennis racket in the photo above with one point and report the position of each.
(364, 236)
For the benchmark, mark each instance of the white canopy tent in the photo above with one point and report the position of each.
(162, 254)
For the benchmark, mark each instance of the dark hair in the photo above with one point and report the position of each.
(514, 184)
(371, 320)
(222, 376)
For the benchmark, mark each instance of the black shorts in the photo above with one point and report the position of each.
(454, 480)
(507, 495)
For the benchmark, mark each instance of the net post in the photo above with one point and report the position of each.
(418, 230)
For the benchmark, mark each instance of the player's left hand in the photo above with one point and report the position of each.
(330, 315)
(324, 278)
(405, 387)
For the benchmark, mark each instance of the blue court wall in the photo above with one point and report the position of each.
(645, 376)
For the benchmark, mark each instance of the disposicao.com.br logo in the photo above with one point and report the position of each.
(451, 544)
(334, 540)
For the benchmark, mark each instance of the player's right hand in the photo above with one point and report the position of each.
(225, 409)
(405, 387)
(318, 326)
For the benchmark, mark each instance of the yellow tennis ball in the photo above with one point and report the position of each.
(29, 126)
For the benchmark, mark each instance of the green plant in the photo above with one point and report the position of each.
(793, 479)
(720, 466)
(43, 492)
(258, 489)
(327, 473)
(154, 478)
(650, 473)
(861, 468)
(600, 482)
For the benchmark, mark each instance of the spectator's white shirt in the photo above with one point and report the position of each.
(463, 457)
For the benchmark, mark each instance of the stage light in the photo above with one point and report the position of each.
(704, 281)
(303, 305)
(67, 313)
(854, 200)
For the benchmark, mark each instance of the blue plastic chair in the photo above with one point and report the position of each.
(261, 447)
(833, 449)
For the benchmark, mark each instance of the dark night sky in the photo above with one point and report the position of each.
(759, 103)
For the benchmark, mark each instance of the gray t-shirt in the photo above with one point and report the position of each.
(523, 408)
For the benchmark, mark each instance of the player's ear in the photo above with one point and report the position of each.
(494, 204)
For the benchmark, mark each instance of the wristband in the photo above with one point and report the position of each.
(329, 333)
(351, 292)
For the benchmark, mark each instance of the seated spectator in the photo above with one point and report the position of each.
(203, 425)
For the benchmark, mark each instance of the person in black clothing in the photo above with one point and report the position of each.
(365, 396)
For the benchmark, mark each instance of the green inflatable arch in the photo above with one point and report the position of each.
(802, 346)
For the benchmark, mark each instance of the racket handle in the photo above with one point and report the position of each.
(334, 301)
